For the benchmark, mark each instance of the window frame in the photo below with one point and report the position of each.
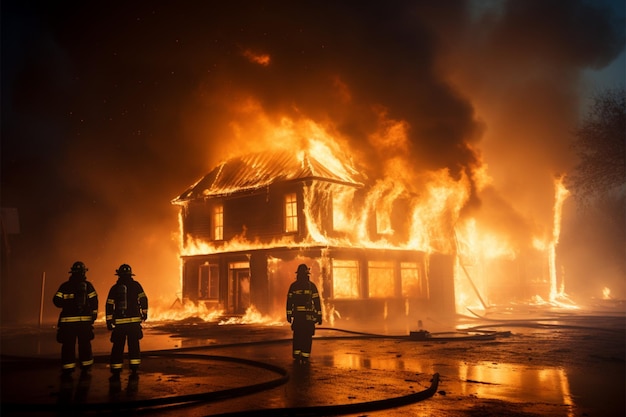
(338, 264)
(213, 281)
(217, 217)
(291, 216)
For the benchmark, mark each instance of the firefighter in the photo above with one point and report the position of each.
(303, 312)
(126, 308)
(79, 303)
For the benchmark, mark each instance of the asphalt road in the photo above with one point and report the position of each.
(549, 365)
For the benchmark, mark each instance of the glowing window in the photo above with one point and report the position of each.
(291, 213)
(381, 279)
(411, 280)
(345, 279)
(218, 222)
(208, 285)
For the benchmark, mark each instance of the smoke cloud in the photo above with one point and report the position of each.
(110, 111)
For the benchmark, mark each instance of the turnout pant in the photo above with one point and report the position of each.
(303, 331)
(68, 334)
(122, 333)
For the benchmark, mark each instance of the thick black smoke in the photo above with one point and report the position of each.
(109, 110)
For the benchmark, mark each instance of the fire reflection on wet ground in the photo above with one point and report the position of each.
(500, 381)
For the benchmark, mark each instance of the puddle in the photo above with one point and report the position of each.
(499, 381)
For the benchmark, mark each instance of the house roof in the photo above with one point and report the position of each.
(254, 171)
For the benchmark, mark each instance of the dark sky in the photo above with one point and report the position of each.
(112, 109)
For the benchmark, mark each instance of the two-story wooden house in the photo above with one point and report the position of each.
(249, 222)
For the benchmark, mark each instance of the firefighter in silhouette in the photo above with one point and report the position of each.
(126, 308)
(303, 312)
(79, 303)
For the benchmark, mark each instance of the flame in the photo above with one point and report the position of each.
(436, 212)
(438, 203)
(430, 221)
(478, 245)
(606, 293)
(561, 194)
(240, 242)
(252, 316)
(161, 311)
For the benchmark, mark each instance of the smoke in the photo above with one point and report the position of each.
(522, 64)
(110, 111)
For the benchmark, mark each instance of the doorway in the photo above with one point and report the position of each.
(239, 287)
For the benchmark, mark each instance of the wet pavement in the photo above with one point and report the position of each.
(570, 366)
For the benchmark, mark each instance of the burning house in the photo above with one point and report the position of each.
(248, 223)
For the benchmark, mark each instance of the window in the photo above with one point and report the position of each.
(381, 279)
(208, 287)
(345, 279)
(218, 222)
(291, 213)
(411, 280)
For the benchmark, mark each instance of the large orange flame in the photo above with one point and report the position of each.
(434, 201)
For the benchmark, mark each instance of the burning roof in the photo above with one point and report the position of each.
(258, 170)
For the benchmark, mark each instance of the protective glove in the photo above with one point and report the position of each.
(319, 320)
(289, 318)
(110, 325)
(144, 315)
(94, 316)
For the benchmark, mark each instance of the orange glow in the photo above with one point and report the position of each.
(503, 379)
(163, 311)
(345, 279)
(251, 316)
(257, 58)
(432, 220)
(499, 381)
(561, 194)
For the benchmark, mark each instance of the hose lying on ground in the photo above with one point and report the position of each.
(341, 409)
(161, 401)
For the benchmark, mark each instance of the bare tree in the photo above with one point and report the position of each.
(600, 144)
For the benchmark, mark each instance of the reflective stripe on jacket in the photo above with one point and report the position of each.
(303, 301)
(74, 319)
(67, 299)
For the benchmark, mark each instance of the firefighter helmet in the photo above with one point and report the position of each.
(302, 269)
(78, 268)
(124, 270)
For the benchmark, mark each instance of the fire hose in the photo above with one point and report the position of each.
(341, 409)
(163, 401)
(206, 397)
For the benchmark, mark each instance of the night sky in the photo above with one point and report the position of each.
(112, 109)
